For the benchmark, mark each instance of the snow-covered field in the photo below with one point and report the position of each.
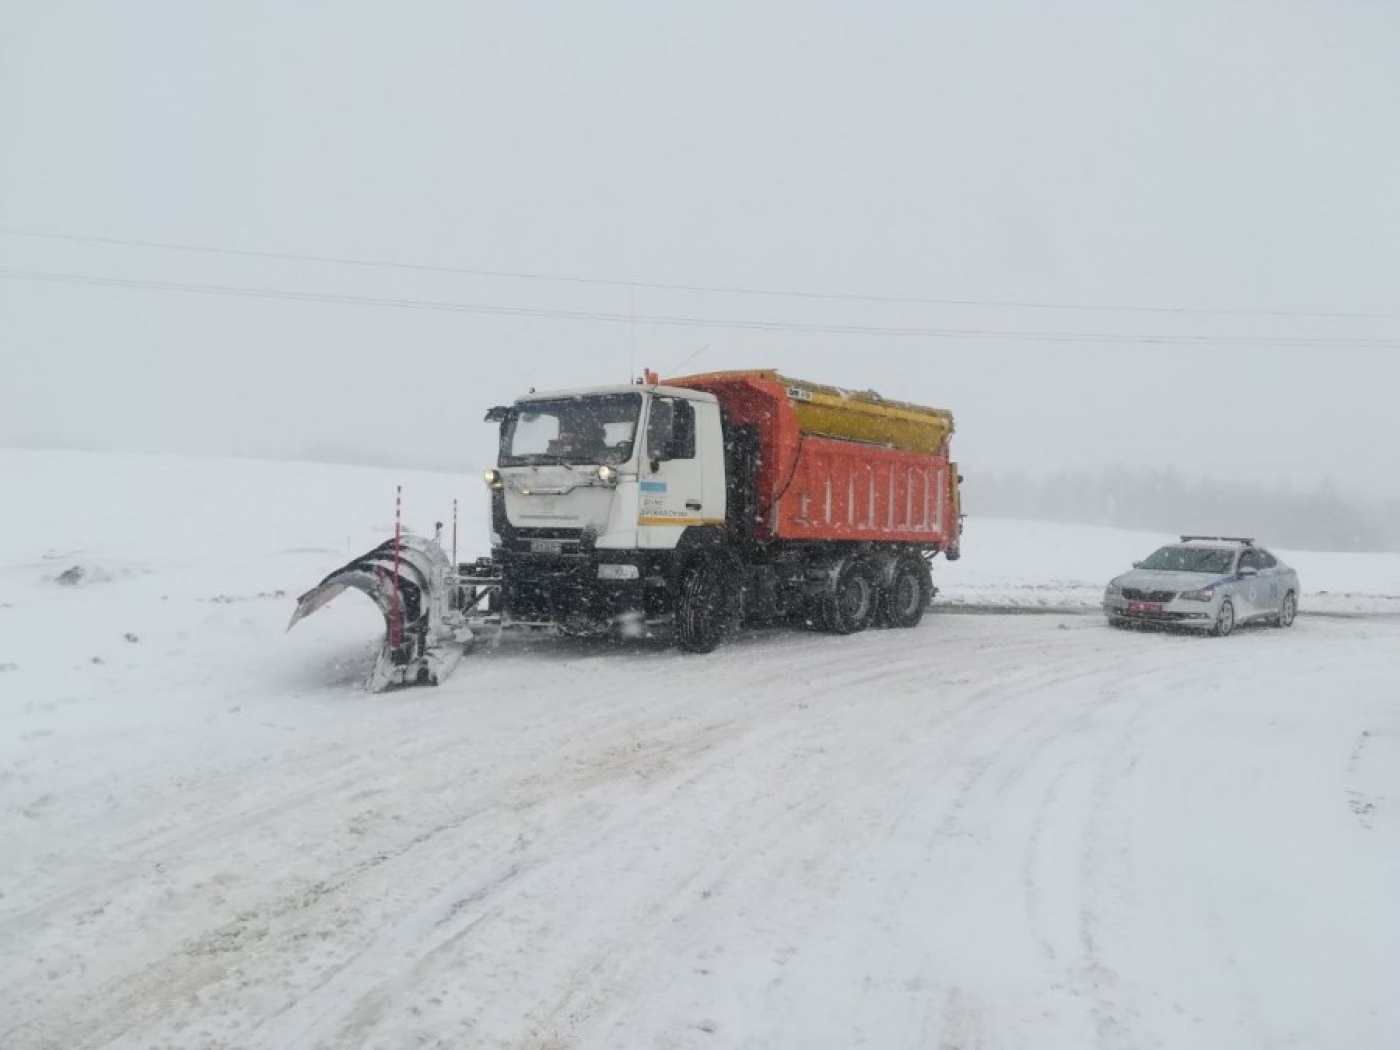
(992, 831)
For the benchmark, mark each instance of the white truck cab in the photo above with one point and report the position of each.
(610, 468)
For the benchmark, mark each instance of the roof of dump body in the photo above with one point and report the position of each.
(849, 415)
(866, 397)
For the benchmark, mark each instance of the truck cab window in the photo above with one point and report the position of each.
(593, 429)
(671, 429)
(683, 431)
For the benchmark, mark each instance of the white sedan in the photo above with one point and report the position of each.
(1209, 583)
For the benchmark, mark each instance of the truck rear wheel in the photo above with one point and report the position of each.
(704, 609)
(852, 602)
(904, 601)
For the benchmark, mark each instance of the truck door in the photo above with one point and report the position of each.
(672, 481)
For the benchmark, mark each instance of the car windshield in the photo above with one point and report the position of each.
(597, 428)
(1190, 559)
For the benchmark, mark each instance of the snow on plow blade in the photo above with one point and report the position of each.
(424, 636)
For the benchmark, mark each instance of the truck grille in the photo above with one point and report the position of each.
(1133, 594)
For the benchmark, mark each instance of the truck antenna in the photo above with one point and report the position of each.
(674, 369)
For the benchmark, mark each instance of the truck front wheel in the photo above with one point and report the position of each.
(703, 609)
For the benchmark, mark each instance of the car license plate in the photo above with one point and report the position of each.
(1147, 607)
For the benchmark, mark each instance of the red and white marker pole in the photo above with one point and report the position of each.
(396, 622)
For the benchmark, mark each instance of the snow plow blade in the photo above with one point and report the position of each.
(424, 634)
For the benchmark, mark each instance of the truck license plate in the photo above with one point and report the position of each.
(547, 546)
(1146, 607)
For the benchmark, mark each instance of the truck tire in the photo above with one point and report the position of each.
(851, 604)
(903, 602)
(704, 608)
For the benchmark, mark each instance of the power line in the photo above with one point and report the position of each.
(663, 286)
(753, 324)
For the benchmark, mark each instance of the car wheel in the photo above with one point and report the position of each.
(1224, 620)
(1118, 622)
(1288, 612)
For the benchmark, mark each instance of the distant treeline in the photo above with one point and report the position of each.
(1321, 518)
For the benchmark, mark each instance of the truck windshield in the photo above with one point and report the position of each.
(597, 428)
(1190, 559)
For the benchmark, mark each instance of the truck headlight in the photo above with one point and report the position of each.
(1205, 594)
(493, 480)
(618, 572)
(606, 474)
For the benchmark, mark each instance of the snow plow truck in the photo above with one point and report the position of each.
(702, 502)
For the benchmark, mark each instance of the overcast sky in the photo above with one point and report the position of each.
(1235, 166)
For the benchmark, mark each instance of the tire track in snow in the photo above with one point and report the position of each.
(212, 956)
(769, 830)
(732, 783)
(232, 936)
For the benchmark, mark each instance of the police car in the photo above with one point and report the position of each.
(1208, 583)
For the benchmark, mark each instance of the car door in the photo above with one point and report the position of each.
(1271, 574)
(1251, 595)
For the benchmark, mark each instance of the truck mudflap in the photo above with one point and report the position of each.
(425, 634)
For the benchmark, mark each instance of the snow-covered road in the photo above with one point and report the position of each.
(993, 831)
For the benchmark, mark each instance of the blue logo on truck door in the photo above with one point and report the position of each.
(653, 486)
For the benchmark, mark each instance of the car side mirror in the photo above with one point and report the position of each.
(1137, 565)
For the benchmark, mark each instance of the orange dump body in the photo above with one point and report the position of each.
(816, 488)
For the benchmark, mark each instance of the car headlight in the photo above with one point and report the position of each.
(1205, 594)
(1113, 590)
(493, 480)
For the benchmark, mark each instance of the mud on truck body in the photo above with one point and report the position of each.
(703, 501)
